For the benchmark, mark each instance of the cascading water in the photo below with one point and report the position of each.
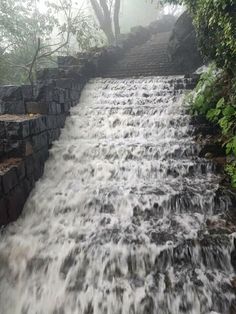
(117, 224)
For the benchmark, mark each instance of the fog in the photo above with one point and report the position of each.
(132, 12)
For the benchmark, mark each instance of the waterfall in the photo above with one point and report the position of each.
(118, 224)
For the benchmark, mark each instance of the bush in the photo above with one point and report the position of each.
(215, 98)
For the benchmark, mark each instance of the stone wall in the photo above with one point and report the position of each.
(31, 118)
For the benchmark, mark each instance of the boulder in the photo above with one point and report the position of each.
(165, 24)
(183, 49)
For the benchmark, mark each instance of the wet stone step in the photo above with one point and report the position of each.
(127, 218)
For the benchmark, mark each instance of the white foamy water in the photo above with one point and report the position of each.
(117, 224)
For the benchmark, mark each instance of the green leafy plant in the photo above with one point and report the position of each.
(231, 170)
(215, 98)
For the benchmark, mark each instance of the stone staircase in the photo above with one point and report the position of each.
(148, 59)
(29, 124)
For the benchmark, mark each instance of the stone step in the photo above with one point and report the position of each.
(149, 59)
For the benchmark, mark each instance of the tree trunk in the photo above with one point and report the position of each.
(116, 19)
(104, 18)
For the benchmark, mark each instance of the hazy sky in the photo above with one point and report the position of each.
(133, 12)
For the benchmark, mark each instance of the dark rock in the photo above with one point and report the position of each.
(65, 61)
(8, 93)
(51, 122)
(59, 95)
(27, 92)
(16, 200)
(198, 120)
(3, 212)
(165, 24)
(206, 129)
(183, 48)
(214, 149)
(48, 73)
(141, 33)
(28, 185)
(12, 107)
(53, 135)
(29, 166)
(64, 83)
(39, 141)
(60, 120)
(15, 148)
(2, 130)
(66, 107)
(36, 107)
(9, 179)
(20, 170)
(17, 129)
(44, 92)
(233, 256)
(1, 186)
(38, 125)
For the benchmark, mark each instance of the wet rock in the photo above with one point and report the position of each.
(233, 256)
(183, 47)
(164, 24)
(3, 212)
(9, 179)
(15, 202)
(12, 107)
(16, 130)
(211, 150)
(10, 93)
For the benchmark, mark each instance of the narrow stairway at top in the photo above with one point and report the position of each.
(118, 222)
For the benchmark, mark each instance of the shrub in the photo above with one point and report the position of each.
(215, 98)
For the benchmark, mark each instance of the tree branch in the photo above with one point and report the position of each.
(116, 18)
(98, 12)
(33, 63)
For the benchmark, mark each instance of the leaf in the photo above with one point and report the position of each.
(229, 111)
(220, 103)
(213, 114)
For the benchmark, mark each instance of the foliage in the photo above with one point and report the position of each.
(31, 39)
(215, 24)
(231, 170)
(215, 98)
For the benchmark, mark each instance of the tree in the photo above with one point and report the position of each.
(107, 13)
(31, 39)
